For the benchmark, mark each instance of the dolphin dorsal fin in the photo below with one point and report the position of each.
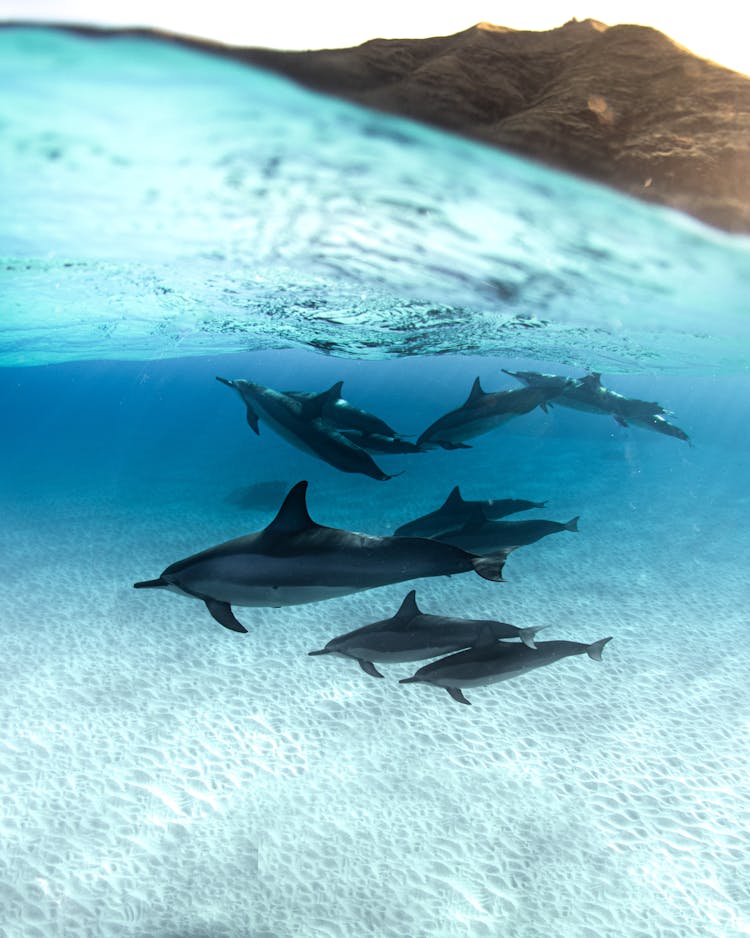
(454, 499)
(593, 380)
(476, 392)
(293, 516)
(313, 406)
(409, 608)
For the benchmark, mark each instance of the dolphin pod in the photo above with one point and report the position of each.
(589, 394)
(299, 421)
(456, 511)
(294, 561)
(412, 635)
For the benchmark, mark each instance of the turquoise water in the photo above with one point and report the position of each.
(166, 218)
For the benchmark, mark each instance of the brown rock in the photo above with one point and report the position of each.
(623, 105)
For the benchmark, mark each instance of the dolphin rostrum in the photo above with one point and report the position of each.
(456, 511)
(295, 561)
(298, 421)
(481, 413)
(412, 635)
(487, 664)
(486, 537)
(590, 395)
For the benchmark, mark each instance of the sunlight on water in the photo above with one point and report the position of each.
(164, 777)
(157, 201)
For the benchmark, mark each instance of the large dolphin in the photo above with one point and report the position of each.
(482, 412)
(299, 423)
(456, 511)
(590, 395)
(412, 635)
(487, 537)
(295, 561)
(500, 661)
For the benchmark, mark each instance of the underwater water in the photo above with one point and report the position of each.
(168, 217)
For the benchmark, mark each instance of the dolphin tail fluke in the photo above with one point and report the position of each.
(223, 614)
(572, 525)
(491, 567)
(457, 695)
(527, 636)
(595, 651)
(151, 584)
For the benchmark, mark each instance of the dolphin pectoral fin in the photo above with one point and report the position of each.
(368, 667)
(223, 614)
(456, 694)
(621, 420)
(252, 420)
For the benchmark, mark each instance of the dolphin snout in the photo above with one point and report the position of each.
(226, 381)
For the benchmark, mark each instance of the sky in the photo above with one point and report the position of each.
(718, 30)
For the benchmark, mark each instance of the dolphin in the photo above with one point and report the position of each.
(412, 635)
(297, 421)
(481, 413)
(590, 395)
(380, 443)
(490, 536)
(294, 560)
(500, 661)
(456, 511)
(342, 414)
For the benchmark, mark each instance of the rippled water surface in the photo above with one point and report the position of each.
(166, 218)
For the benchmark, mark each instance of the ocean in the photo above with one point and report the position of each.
(168, 218)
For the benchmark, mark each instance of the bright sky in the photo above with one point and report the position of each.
(719, 30)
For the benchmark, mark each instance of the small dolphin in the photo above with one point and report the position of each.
(658, 423)
(342, 414)
(590, 395)
(487, 537)
(500, 661)
(380, 443)
(411, 635)
(481, 413)
(456, 511)
(297, 421)
(295, 561)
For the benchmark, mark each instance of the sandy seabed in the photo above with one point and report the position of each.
(162, 777)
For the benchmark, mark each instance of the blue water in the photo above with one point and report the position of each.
(168, 218)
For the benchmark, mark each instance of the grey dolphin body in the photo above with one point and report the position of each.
(500, 661)
(487, 537)
(590, 395)
(380, 443)
(295, 561)
(342, 414)
(481, 413)
(412, 635)
(456, 511)
(300, 424)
